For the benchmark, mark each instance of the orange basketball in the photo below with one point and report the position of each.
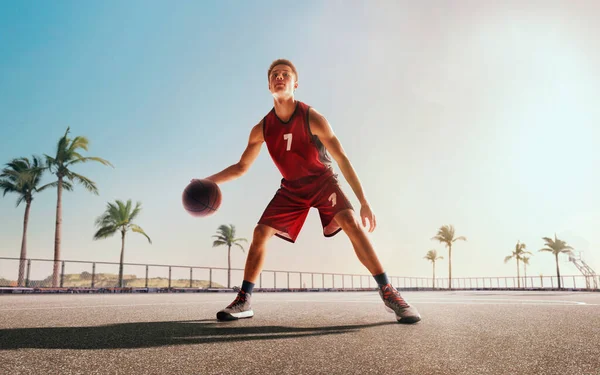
(201, 198)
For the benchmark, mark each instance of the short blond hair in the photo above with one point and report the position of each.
(282, 62)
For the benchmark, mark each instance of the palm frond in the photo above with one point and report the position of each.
(105, 232)
(219, 243)
(82, 159)
(136, 211)
(77, 143)
(86, 182)
(224, 230)
(240, 246)
(7, 187)
(137, 229)
(21, 199)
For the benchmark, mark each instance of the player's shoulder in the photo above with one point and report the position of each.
(257, 131)
(315, 116)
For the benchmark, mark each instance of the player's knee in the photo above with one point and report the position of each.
(348, 221)
(262, 233)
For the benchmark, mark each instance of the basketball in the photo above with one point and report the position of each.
(201, 198)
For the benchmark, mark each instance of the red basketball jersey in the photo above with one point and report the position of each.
(294, 149)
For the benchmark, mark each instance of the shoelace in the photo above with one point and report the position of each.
(241, 297)
(391, 294)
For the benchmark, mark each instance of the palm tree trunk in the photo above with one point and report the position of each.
(433, 274)
(449, 266)
(557, 271)
(57, 232)
(24, 246)
(122, 257)
(229, 267)
(518, 274)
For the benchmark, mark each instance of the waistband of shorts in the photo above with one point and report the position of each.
(308, 179)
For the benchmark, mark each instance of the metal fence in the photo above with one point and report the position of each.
(38, 273)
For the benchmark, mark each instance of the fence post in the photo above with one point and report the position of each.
(288, 280)
(574, 285)
(62, 274)
(274, 279)
(210, 277)
(93, 274)
(323, 280)
(300, 279)
(191, 276)
(146, 276)
(352, 281)
(343, 284)
(312, 280)
(260, 280)
(169, 277)
(333, 281)
(28, 273)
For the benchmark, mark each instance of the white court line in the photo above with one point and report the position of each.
(453, 302)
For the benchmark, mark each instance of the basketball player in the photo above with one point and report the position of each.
(299, 140)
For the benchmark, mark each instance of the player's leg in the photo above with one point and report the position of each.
(284, 217)
(337, 214)
(241, 306)
(351, 225)
(257, 252)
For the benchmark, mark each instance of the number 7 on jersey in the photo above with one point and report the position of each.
(288, 138)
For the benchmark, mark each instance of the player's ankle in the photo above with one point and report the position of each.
(247, 287)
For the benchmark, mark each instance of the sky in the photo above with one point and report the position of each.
(482, 116)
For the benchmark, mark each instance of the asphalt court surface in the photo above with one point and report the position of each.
(462, 332)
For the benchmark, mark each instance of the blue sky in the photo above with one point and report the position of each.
(481, 117)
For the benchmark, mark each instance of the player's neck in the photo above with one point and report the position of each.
(284, 108)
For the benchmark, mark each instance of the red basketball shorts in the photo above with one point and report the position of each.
(289, 207)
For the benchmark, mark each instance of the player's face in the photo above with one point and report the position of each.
(282, 81)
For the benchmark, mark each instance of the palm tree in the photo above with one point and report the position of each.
(525, 264)
(446, 236)
(119, 217)
(67, 155)
(432, 256)
(518, 255)
(22, 177)
(556, 246)
(226, 236)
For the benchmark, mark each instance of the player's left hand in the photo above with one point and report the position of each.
(367, 214)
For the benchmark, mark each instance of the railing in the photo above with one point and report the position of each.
(38, 273)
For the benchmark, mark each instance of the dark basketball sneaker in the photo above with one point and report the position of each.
(396, 304)
(238, 309)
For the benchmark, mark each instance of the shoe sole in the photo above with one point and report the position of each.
(224, 316)
(408, 319)
(404, 320)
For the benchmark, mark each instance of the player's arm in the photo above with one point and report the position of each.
(255, 141)
(320, 127)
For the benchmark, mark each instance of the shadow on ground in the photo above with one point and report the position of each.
(154, 334)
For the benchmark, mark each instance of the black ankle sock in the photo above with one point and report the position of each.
(247, 287)
(381, 279)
